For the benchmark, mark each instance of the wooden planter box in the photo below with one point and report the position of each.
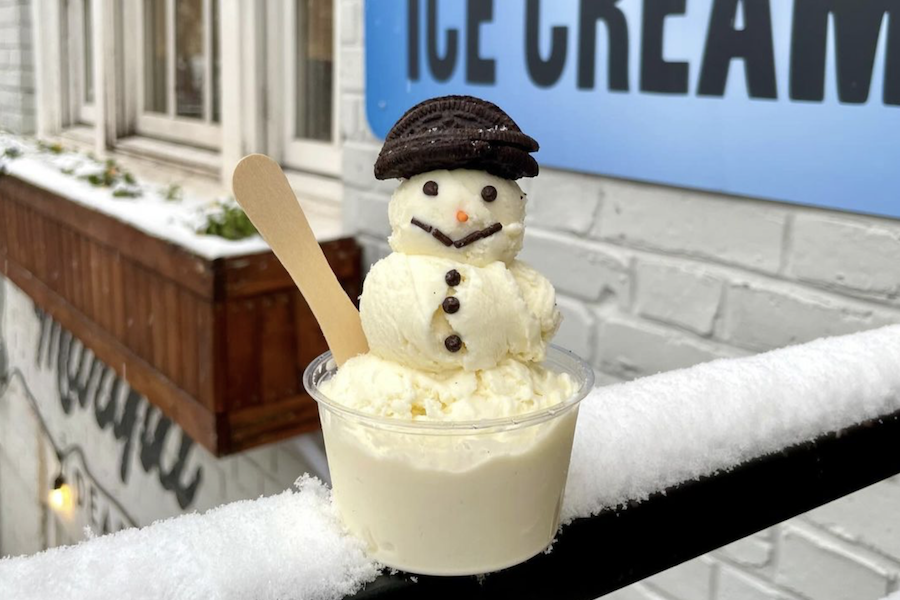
(218, 345)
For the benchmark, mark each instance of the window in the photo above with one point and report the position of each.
(179, 61)
(310, 127)
(167, 79)
(78, 56)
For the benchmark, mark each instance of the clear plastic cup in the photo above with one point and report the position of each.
(451, 498)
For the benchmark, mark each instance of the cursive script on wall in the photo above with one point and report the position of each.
(86, 383)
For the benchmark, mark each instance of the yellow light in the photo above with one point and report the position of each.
(60, 499)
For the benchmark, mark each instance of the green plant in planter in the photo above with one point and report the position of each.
(111, 175)
(172, 193)
(228, 222)
(51, 147)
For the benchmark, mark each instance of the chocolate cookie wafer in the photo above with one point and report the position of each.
(456, 132)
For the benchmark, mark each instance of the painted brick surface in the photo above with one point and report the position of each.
(16, 71)
(734, 585)
(752, 552)
(862, 255)
(562, 201)
(820, 570)
(576, 333)
(681, 295)
(870, 517)
(637, 591)
(589, 271)
(761, 317)
(690, 581)
(630, 347)
(728, 230)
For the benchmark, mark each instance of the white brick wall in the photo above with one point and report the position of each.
(652, 278)
(16, 69)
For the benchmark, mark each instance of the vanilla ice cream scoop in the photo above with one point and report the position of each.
(409, 310)
(468, 216)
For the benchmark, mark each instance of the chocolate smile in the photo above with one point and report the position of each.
(460, 243)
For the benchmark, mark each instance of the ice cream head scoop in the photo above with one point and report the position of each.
(465, 215)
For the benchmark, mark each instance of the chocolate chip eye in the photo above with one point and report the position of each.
(430, 188)
(489, 193)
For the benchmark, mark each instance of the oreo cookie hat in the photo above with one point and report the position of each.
(456, 132)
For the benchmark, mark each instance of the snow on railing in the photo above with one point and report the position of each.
(632, 440)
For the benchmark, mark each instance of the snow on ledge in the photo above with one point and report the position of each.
(632, 440)
(176, 222)
(288, 547)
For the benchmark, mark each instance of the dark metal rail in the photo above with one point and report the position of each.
(595, 556)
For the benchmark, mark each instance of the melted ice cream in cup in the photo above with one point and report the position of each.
(440, 497)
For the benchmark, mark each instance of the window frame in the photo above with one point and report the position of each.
(312, 156)
(204, 132)
(75, 108)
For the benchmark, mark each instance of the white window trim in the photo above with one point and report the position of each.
(315, 157)
(169, 126)
(77, 110)
(252, 91)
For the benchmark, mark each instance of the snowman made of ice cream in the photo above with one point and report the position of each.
(452, 293)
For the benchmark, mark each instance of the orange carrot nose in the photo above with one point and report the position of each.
(461, 216)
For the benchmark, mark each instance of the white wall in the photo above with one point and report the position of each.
(16, 67)
(34, 425)
(652, 278)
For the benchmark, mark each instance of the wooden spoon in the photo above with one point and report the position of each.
(264, 193)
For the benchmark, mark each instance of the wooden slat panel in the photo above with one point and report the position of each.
(212, 358)
(157, 322)
(22, 255)
(268, 423)
(279, 377)
(310, 341)
(242, 348)
(71, 268)
(4, 226)
(160, 256)
(262, 273)
(102, 259)
(174, 337)
(117, 297)
(38, 245)
(53, 237)
(143, 314)
(190, 348)
(130, 306)
(85, 281)
(190, 415)
(98, 307)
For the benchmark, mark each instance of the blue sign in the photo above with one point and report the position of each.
(794, 100)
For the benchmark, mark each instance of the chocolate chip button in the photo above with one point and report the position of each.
(450, 305)
(453, 343)
(452, 277)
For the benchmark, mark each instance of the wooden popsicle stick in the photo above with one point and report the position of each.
(264, 193)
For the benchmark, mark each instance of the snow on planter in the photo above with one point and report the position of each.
(141, 205)
(633, 439)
